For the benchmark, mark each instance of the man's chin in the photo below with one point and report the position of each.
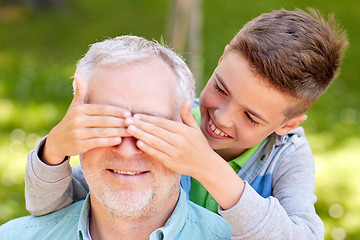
(128, 203)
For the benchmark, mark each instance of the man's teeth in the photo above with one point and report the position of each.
(126, 172)
(216, 130)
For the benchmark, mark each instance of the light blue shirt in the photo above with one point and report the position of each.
(188, 221)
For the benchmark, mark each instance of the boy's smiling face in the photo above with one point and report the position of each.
(239, 109)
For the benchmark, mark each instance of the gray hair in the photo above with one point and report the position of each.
(127, 49)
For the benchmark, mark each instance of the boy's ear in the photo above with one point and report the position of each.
(222, 56)
(290, 125)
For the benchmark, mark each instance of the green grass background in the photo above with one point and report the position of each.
(39, 49)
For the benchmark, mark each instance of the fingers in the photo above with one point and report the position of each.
(153, 139)
(104, 110)
(164, 130)
(153, 152)
(94, 116)
(160, 122)
(104, 142)
(88, 116)
(92, 133)
(92, 143)
(80, 90)
(103, 122)
(170, 125)
(186, 114)
(85, 139)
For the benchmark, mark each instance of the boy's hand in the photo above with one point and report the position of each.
(84, 126)
(180, 147)
(184, 149)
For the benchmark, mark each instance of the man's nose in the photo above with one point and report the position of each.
(127, 148)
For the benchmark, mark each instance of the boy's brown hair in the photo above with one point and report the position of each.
(295, 52)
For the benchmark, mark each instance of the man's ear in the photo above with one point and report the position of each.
(222, 56)
(290, 125)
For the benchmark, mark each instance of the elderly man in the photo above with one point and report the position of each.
(132, 196)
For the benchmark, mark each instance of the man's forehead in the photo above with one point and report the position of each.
(148, 88)
(145, 105)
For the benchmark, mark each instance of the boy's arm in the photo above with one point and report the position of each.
(48, 188)
(290, 214)
(49, 184)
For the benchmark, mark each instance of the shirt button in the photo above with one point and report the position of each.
(160, 234)
(211, 203)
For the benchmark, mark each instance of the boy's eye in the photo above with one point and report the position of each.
(218, 88)
(251, 120)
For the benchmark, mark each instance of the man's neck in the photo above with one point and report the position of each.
(119, 229)
(104, 225)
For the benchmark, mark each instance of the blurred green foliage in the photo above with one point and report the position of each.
(39, 48)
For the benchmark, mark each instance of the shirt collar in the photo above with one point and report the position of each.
(241, 160)
(84, 218)
(176, 222)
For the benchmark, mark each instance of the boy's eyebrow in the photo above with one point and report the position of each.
(220, 79)
(257, 115)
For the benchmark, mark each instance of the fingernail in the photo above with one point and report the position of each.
(136, 116)
(140, 143)
(129, 121)
(132, 128)
(127, 114)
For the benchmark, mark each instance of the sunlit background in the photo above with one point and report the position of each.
(42, 40)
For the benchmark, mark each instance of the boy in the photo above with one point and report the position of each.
(271, 72)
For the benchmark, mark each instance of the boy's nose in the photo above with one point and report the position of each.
(127, 148)
(223, 116)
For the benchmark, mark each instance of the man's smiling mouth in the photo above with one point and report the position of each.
(129, 173)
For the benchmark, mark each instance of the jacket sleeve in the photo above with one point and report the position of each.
(49, 188)
(289, 213)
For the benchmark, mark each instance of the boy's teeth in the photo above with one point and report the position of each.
(126, 172)
(216, 130)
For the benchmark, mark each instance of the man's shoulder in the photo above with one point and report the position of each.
(43, 227)
(208, 223)
(191, 221)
